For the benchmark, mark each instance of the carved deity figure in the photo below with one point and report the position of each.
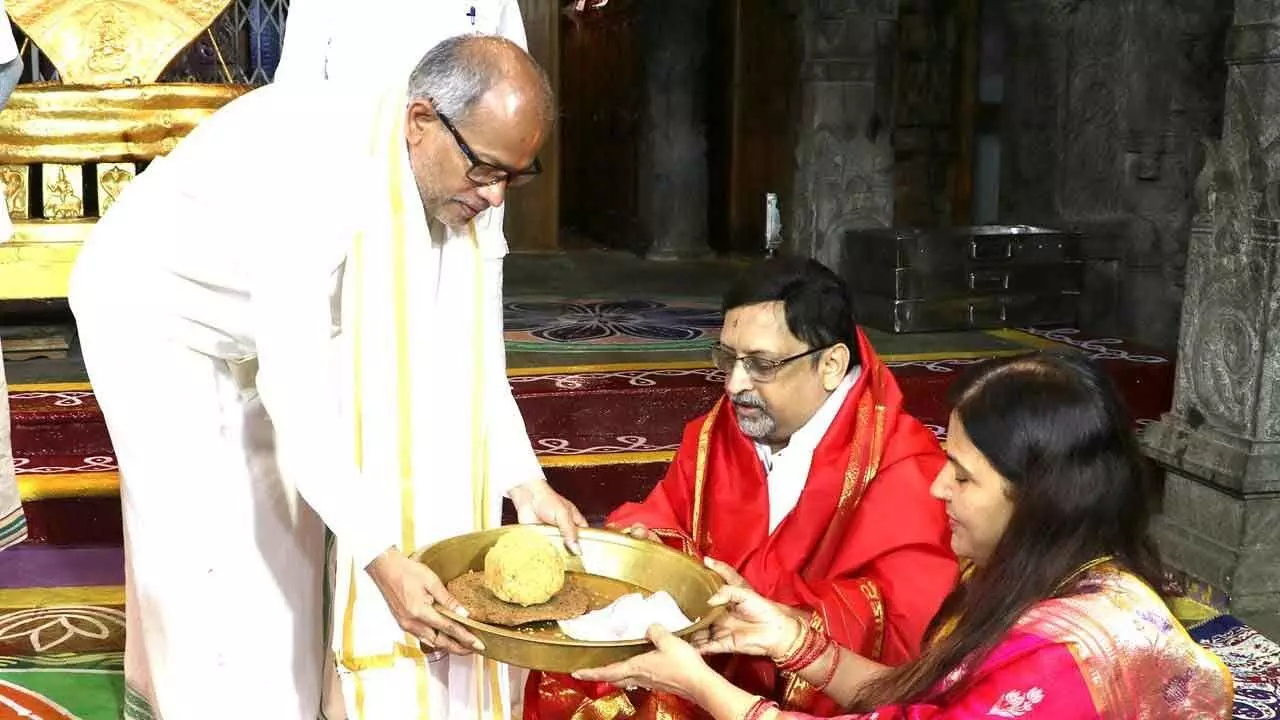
(15, 191)
(61, 201)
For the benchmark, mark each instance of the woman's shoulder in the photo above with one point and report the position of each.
(1108, 595)
(1130, 646)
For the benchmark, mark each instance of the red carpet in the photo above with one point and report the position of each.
(604, 432)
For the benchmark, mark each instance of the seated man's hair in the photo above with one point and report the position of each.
(818, 309)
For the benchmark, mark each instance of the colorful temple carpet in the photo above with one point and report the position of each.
(62, 653)
(549, 331)
(605, 424)
(1254, 662)
(61, 656)
(595, 357)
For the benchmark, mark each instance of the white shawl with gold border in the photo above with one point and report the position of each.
(415, 316)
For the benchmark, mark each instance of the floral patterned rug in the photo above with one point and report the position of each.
(553, 331)
(1254, 662)
(62, 662)
(593, 325)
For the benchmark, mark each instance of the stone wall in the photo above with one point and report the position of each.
(935, 99)
(1105, 105)
(673, 173)
(844, 156)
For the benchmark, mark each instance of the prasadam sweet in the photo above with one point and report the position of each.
(524, 567)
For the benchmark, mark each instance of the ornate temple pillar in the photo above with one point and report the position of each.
(1221, 442)
(844, 159)
(1104, 106)
(673, 169)
(533, 212)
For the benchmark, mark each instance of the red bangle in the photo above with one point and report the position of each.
(831, 670)
(814, 645)
(758, 710)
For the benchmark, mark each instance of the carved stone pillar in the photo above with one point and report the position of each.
(1221, 441)
(533, 213)
(844, 159)
(1105, 104)
(672, 186)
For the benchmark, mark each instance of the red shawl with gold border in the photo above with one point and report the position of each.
(866, 548)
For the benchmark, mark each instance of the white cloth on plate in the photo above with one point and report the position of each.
(627, 618)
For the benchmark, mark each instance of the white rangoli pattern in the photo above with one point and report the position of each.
(46, 629)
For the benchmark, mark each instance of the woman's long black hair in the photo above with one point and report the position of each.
(1052, 424)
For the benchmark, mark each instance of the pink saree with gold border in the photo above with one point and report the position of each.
(1111, 651)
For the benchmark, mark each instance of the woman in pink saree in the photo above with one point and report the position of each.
(1055, 616)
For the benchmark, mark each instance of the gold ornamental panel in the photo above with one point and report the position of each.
(77, 124)
(103, 42)
(112, 177)
(63, 187)
(15, 183)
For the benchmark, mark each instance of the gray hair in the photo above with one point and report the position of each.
(456, 74)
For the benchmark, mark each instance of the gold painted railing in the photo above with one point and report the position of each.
(66, 150)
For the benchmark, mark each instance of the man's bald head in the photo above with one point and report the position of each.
(457, 73)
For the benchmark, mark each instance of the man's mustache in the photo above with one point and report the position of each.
(746, 399)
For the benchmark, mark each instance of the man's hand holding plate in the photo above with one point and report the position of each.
(414, 594)
(536, 502)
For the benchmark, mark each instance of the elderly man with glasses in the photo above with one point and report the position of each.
(807, 481)
(295, 305)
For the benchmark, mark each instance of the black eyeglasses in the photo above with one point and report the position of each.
(483, 173)
(759, 369)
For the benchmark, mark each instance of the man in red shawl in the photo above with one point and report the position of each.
(808, 479)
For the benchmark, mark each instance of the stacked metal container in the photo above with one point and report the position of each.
(963, 278)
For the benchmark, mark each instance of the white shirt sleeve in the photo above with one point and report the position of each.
(307, 30)
(512, 461)
(8, 43)
(300, 384)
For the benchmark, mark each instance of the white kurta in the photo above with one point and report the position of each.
(787, 470)
(385, 40)
(210, 307)
(326, 39)
(380, 42)
(13, 526)
(8, 46)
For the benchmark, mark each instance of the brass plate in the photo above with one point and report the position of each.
(615, 564)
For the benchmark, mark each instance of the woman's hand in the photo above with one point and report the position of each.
(754, 625)
(731, 578)
(674, 667)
